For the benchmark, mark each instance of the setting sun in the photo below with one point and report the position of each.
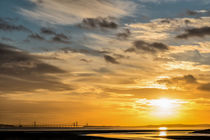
(165, 107)
(162, 128)
(163, 104)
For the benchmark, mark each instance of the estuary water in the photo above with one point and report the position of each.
(155, 135)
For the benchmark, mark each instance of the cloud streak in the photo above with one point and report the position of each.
(72, 12)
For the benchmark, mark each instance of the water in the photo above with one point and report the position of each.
(162, 133)
(154, 135)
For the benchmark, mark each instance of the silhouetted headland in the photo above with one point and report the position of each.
(206, 131)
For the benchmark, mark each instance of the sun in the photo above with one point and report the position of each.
(164, 107)
(163, 104)
(162, 128)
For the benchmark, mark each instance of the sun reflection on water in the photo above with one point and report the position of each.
(162, 133)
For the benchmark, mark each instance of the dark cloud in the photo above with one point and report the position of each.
(147, 47)
(103, 23)
(124, 35)
(166, 21)
(57, 38)
(195, 32)
(119, 56)
(6, 26)
(60, 38)
(191, 13)
(110, 59)
(196, 13)
(85, 60)
(182, 81)
(130, 50)
(187, 79)
(204, 87)
(20, 71)
(84, 50)
(187, 21)
(36, 37)
(190, 79)
(47, 31)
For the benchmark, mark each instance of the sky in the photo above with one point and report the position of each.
(105, 62)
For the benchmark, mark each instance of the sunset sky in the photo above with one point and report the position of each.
(105, 62)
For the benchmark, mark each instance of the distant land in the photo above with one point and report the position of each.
(98, 126)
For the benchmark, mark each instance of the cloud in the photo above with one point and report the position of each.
(6, 26)
(26, 72)
(195, 32)
(166, 29)
(204, 87)
(110, 59)
(101, 23)
(47, 31)
(196, 12)
(183, 82)
(74, 11)
(85, 60)
(60, 38)
(124, 35)
(188, 79)
(186, 82)
(57, 38)
(36, 37)
(148, 47)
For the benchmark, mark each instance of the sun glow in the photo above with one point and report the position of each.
(162, 128)
(165, 107)
(163, 104)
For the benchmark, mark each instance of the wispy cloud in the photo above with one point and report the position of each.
(71, 12)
